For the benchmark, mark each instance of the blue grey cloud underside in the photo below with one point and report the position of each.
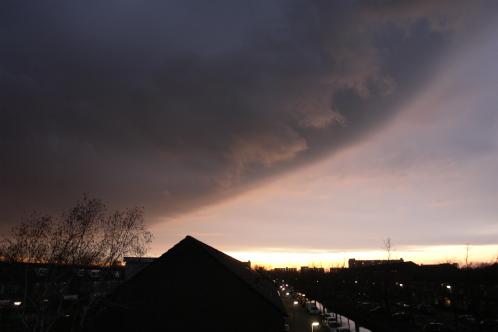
(175, 104)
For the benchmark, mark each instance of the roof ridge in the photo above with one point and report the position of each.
(215, 253)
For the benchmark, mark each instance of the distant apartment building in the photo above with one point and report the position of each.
(285, 270)
(307, 269)
(353, 263)
(133, 265)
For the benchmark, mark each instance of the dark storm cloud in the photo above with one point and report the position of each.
(172, 104)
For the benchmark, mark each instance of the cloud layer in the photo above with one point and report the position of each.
(175, 104)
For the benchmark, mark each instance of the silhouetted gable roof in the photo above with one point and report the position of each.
(261, 285)
(196, 284)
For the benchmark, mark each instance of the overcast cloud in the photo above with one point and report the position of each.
(177, 104)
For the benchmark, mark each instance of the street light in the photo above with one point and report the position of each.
(313, 325)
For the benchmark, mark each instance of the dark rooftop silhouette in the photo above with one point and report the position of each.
(261, 285)
(195, 285)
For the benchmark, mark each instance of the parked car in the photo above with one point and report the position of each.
(401, 316)
(435, 327)
(312, 308)
(378, 310)
(327, 315)
(403, 306)
(334, 325)
(364, 305)
(330, 321)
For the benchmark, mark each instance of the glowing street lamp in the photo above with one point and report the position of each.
(17, 303)
(313, 325)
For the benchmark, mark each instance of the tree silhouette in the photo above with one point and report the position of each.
(86, 235)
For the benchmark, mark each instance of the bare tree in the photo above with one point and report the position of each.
(85, 235)
(388, 248)
(28, 241)
(467, 255)
(122, 235)
(75, 237)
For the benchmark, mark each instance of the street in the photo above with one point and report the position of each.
(299, 319)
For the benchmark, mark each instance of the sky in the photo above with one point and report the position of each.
(286, 132)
